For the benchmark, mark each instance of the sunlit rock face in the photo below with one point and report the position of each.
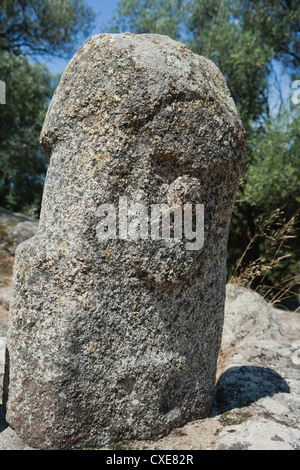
(115, 332)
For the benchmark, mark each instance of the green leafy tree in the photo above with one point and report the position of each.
(218, 32)
(277, 23)
(30, 29)
(48, 27)
(273, 178)
(22, 162)
(144, 16)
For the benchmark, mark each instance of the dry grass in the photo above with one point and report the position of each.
(276, 234)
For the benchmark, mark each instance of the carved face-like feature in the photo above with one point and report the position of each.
(168, 134)
(117, 337)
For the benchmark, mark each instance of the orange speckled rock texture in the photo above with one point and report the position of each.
(119, 339)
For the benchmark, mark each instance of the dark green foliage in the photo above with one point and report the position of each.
(273, 177)
(22, 162)
(43, 26)
(27, 29)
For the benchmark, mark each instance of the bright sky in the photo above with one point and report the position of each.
(104, 10)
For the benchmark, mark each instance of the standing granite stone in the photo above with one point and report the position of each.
(119, 339)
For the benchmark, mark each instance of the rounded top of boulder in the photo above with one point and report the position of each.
(126, 79)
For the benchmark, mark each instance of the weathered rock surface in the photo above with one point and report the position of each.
(14, 229)
(257, 398)
(119, 339)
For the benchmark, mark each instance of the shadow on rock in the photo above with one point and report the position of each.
(3, 423)
(238, 387)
